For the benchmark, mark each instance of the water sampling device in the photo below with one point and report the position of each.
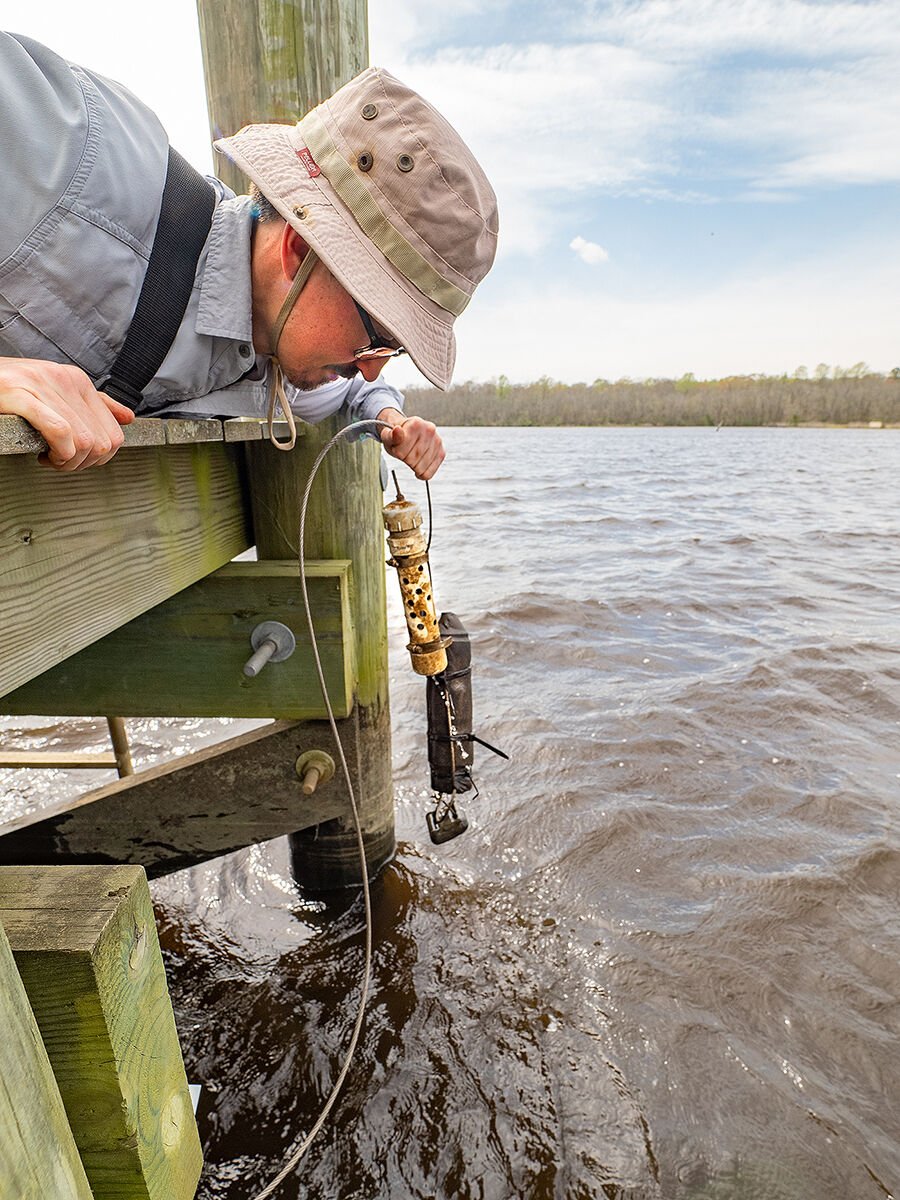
(439, 650)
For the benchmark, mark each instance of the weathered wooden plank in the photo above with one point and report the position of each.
(18, 437)
(84, 553)
(242, 429)
(181, 431)
(254, 429)
(38, 1156)
(145, 431)
(203, 805)
(185, 657)
(84, 940)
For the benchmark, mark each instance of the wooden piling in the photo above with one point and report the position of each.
(272, 60)
(85, 944)
(343, 521)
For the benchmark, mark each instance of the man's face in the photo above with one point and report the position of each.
(322, 335)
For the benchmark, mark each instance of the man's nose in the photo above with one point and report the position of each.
(371, 368)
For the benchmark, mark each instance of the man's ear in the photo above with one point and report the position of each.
(293, 251)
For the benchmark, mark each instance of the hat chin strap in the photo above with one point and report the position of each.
(276, 389)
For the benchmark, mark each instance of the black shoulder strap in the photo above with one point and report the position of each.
(185, 218)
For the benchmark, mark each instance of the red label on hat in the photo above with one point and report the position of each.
(309, 162)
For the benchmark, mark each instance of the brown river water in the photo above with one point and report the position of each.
(664, 961)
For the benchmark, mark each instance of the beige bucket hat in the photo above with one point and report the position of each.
(391, 199)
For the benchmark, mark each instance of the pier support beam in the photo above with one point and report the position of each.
(273, 60)
(85, 944)
(38, 1157)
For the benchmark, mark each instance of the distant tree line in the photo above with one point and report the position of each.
(827, 396)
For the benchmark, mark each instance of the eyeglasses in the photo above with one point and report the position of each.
(378, 347)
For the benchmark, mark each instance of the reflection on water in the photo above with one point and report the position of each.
(662, 963)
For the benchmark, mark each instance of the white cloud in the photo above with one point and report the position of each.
(701, 29)
(589, 252)
(639, 99)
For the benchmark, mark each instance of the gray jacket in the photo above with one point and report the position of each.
(84, 164)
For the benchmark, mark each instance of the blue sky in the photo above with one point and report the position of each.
(684, 185)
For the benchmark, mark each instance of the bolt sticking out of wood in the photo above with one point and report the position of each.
(314, 767)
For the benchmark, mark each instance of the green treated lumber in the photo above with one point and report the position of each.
(86, 552)
(343, 522)
(85, 943)
(185, 657)
(38, 1156)
(228, 796)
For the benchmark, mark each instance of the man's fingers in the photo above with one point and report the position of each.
(122, 413)
(417, 443)
(81, 426)
(54, 429)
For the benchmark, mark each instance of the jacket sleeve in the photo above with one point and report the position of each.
(44, 125)
(371, 399)
(355, 399)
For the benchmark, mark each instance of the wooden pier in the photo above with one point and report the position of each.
(120, 597)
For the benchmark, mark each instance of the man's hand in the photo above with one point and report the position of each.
(414, 441)
(81, 426)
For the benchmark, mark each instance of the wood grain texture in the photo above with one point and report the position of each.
(273, 60)
(84, 553)
(223, 798)
(38, 1156)
(85, 944)
(185, 657)
(344, 520)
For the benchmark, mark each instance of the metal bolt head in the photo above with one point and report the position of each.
(314, 767)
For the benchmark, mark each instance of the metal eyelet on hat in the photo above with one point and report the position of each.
(405, 162)
(369, 112)
(365, 162)
(300, 212)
